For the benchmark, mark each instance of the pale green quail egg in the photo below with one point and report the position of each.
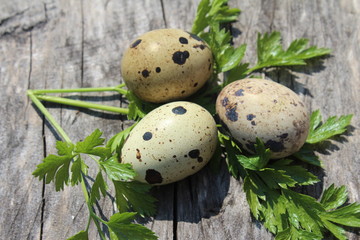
(170, 143)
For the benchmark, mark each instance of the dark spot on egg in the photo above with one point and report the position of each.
(183, 91)
(253, 123)
(158, 69)
(225, 102)
(147, 136)
(183, 40)
(231, 114)
(134, 44)
(250, 117)
(179, 110)
(201, 46)
(195, 85)
(194, 153)
(145, 73)
(239, 92)
(200, 159)
(275, 146)
(180, 57)
(283, 136)
(152, 176)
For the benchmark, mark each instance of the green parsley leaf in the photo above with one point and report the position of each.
(300, 175)
(117, 141)
(332, 126)
(118, 171)
(62, 176)
(122, 228)
(226, 56)
(201, 19)
(210, 12)
(292, 215)
(347, 216)
(306, 154)
(55, 168)
(337, 231)
(134, 196)
(238, 72)
(135, 107)
(293, 233)
(77, 168)
(334, 197)
(82, 235)
(64, 148)
(271, 53)
(303, 211)
(90, 142)
(232, 151)
(99, 186)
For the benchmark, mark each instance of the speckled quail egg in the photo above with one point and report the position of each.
(252, 108)
(170, 143)
(166, 64)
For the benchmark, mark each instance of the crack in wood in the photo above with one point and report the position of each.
(25, 20)
(175, 213)
(163, 12)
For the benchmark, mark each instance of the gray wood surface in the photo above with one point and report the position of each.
(79, 43)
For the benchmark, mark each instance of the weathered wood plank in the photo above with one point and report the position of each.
(56, 44)
(19, 126)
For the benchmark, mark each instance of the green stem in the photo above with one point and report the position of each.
(92, 216)
(49, 117)
(78, 103)
(118, 89)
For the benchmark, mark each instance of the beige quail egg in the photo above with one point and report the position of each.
(170, 143)
(166, 64)
(252, 108)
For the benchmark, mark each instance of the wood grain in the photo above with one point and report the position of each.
(78, 43)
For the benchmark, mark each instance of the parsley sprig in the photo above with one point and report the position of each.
(211, 24)
(69, 167)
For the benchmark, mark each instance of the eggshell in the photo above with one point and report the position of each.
(166, 64)
(170, 143)
(252, 108)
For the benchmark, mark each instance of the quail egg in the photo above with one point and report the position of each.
(164, 65)
(170, 143)
(264, 109)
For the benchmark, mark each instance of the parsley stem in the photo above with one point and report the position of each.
(92, 215)
(78, 103)
(118, 88)
(48, 116)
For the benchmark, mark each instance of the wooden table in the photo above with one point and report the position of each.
(79, 43)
